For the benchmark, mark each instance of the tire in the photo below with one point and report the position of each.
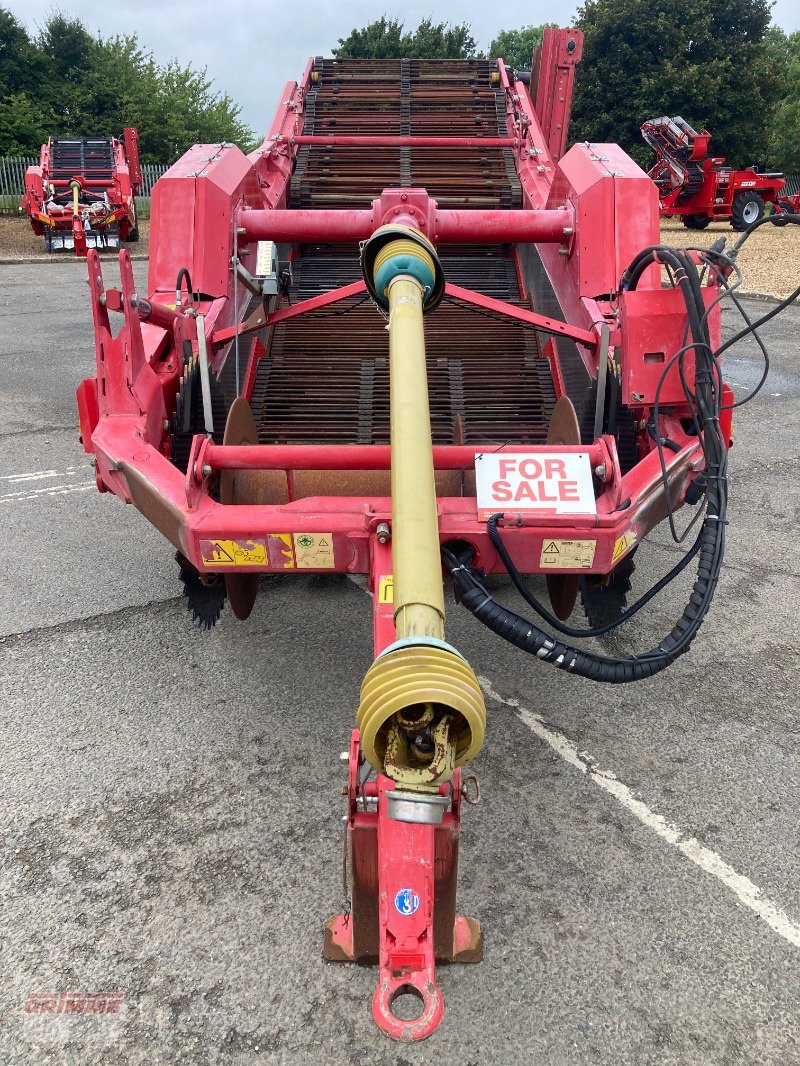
(603, 604)
(697, 221)
(748, 207)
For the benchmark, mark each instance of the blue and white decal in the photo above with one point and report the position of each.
(406, 902)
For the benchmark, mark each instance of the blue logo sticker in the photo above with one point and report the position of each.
(406, 902)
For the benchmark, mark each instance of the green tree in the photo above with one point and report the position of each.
(67, 82)
(21, 63)
(784, 129)
(643, 58)
(25, 124)
(515, 47)
(384, 39)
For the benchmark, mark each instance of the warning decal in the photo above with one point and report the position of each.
(234, 552)
(281, 551)
(622, 544)
(386, 589)
(567, 554)
(313, 551)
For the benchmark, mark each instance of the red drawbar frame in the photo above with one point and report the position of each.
(588, 212)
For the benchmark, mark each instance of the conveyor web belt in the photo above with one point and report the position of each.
(326, 377)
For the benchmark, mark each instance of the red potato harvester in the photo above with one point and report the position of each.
(412, 332)
(701, 189)
(82, 194)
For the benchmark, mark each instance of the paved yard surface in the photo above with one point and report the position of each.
(171, 817)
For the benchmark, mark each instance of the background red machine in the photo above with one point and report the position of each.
(82, 193)
(700, 188)
(277, 403)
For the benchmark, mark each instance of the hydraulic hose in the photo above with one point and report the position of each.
(709, 547)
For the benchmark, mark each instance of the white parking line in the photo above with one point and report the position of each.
(24, 488)
(747, 893)
(45, 490)
(38, 475)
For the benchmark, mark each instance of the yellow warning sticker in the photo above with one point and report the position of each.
(313, 551)
(386, 589)
(567, 554)
(234, 553)
(621, 544)
(281, 551)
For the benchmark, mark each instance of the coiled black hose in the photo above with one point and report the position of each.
(710, 545)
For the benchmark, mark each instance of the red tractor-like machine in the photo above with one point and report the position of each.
(700, 188)
(82, 194)
(413, 337)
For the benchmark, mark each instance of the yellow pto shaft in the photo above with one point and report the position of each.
(422, 712)
(418, 593)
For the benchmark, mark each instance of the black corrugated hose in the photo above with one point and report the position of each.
(705, 404)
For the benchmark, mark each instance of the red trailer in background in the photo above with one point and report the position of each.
(82, 193)
(700, 188)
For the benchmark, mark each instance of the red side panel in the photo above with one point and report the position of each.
(193, 210)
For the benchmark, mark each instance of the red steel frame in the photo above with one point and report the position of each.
(589, 211)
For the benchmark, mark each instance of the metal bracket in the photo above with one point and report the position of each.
(205, 380)
(602, 378)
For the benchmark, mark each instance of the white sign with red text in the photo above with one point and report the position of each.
(541, 483)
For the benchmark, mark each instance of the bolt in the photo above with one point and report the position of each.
(563, 251)
(383, 533)
(404, 197)
(600, 471)
(344, 756)
(166, 424)
(207, 471)
(568, 231)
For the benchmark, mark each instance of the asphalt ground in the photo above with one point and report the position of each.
(171, 824)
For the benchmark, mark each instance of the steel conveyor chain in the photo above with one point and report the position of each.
(325, 379)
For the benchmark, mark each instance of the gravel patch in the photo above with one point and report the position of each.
(18, 242)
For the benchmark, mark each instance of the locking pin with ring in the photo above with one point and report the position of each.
(471, 790)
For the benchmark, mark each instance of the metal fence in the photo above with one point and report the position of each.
(12, 183)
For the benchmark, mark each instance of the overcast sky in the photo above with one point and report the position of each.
(251, 48)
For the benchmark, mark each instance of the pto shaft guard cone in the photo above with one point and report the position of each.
(410, 676)
(395, 250)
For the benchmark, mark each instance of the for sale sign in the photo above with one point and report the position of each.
(543, 483)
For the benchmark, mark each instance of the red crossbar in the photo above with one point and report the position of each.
(363, 456)
(488, 226)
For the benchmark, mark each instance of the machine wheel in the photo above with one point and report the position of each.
(748, 207)
(205, 594)
(697, 221)
(603, 604)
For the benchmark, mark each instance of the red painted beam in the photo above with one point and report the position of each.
(451, 226)
(363, 456)
(547, 325)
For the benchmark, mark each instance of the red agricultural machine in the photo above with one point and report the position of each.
(413, 337)
(82, 193)
(700, 188)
